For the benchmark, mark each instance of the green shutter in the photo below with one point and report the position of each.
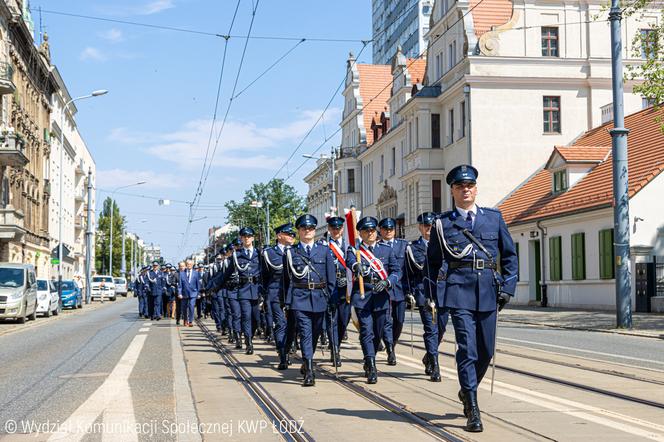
(578, 256)
(606, 258)
(555, 263)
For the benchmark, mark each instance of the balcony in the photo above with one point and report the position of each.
(12, 148)
(11, 224)
(79, 169)
(78, 223)
(7, 85)
(80, 197)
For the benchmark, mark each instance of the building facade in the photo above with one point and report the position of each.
(397, 23)
(319, 196)
(27, 87)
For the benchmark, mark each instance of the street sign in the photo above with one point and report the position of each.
(65, 251)
(55, 261)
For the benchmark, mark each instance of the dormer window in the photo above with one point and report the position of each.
(560, 181)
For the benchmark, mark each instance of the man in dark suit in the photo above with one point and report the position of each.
(188, 292)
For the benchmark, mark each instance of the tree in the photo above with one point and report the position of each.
(284, 201)
(102, 238)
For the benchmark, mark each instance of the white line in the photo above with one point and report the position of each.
(613, 355)
(185, 412)
(144, 329)
(78, 424)
(119, 419)
(147, 324)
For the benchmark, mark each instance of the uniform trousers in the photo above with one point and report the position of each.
(218, 310)
(310, 326)
(475, 333)
(142, 304)
(156, 306)
(228, 315)
(236, 314)
(278, 319)
(394, 325)
(372, 327)
(269, 320)
(248, 310)
(430, 335)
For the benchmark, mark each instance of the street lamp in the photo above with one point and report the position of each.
(259, 205)
(96, 93)
(110, 240)
(332, 158)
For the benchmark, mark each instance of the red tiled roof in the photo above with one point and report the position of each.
(582, 154)
(645, 156)
(489, 13)
(375, 88)
(416, 68)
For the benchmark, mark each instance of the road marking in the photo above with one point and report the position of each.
(613, 355)
(564, 406)
(83, 375)
(105, 397)
(185, 411)
(144, 329)
(147, 324)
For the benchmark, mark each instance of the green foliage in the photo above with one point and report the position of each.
(102, 238)
(285, 205)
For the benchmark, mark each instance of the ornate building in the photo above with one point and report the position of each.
(26, 86)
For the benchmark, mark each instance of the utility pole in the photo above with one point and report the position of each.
(333, 158)
(88, 241)
(620, 179)
(123, 264)
(267, 222)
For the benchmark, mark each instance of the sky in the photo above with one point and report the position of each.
(155, 123)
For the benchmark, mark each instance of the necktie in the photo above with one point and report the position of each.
(469, 220)
(308, 249)
(371, 249)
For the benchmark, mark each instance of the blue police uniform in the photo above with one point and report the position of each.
(309, 280)
(156, 283)
(140, 286)
(172, 280)
(216, 295)
(373, 308)
(472, 285)
(190, 285)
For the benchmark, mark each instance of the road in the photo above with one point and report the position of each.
(102, 374)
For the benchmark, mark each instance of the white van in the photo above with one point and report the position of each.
(18, 292)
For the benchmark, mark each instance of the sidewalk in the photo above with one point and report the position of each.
(649, 325)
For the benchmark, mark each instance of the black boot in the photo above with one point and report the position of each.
(372, 376)
(223, 331)
(435, 369)
(337, 357)
(366, 367)
(323, 340)
(231, 337)
(474, 423)
(426, 360)
(283, 360)
(238, 341)
(250, 346)
(391, 355)
(309, 378)
(462, 398)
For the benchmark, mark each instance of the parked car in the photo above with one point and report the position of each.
(120, 286)
(71, 294)
(102, 287)
(48, 302)
(18, 292)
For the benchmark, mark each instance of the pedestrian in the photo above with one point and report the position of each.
(188, 292)
(466, 244)
(156, 283)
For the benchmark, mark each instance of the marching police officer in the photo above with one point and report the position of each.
(216, 295)
(224, 292)
(172, 279)
(378, 270)
(397, 310)
(156, 284)
(272, 278)
(424, 296)
(309, 279)
(244, 270)
(141, 289)
(469, 240)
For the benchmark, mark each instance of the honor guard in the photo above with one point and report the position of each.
(309, 279)
(375, 272)
(272, 279)
(200, 299)
(189, 286)
(172, 280)
(156, 284)
(341, 313)
(469, 240)
(141, 289)
(397, 310)
(424, 296)
(216, 295)
(224, 293)
(244, 270)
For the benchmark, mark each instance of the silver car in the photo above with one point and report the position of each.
(120, 286)
(18, 292)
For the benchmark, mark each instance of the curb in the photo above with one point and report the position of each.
(597, 330)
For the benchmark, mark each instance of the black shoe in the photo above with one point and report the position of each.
(323, 340)
(158, 318)
(303, 369)
(426, 360)
(462, 398)
(223, 331)
(372, 376)
(391, 355)
(338, 358)
(309, 377)
(177, 322)
(474, 423)
(250, 346)
(288, 361)
(380, 347)
(435, 369)
(345, 336)
(231, 337)
(269, 339)
(238, 341)
(283, 360)
(366, 367)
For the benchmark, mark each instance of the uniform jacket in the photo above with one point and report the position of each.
(339, 293)
(399, 248)
(189, 286)
(155, 282)
(466, 287)
(249, 270)
(272, 269)
(321, 271)
(374, 301)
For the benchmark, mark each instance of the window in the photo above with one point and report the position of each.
(351, 180)
(559, 181)
(450, 137)
(579, 256)
(648, 44)
(452, 55)
(436, 202)
(555, 263)
(435, 131)
(606, 258)
(647, 102)
(463, 119)
(393, 163)
(437, 66)
(417, 133)
(549, 42)
(551, 115)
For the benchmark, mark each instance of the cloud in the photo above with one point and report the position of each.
(119, 177)
(242, 144)
(154, 7)
(90, 53)
(112, 35)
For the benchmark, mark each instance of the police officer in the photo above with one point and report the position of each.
(224, 293)
(216, 296)
(272, 279)
(469, 239)
(309, 279)
(341, 313)
(200, 299)
(244, 269)
(172, 280)
(397, 310)
(156, 282)
(141, 292)
(424, 296)
(379, 271)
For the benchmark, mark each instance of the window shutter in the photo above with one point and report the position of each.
(555, 269)
(606, 270)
